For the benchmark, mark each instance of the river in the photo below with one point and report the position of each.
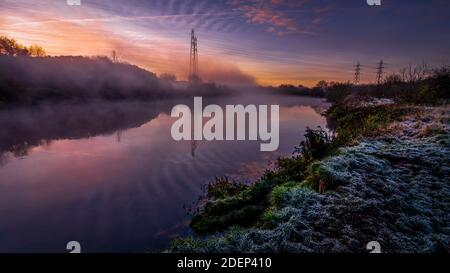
(109, 175)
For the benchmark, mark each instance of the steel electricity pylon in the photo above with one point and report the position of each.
(193, 59)
(380, 72)
(357, 78)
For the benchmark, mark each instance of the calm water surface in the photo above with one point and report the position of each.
(110, 176)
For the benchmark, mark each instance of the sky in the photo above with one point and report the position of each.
(267, 42)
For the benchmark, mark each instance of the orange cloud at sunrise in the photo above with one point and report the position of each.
(88, 31)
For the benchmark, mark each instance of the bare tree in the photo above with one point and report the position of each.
(413, 74)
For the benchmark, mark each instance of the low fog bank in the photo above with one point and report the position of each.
(26, 80)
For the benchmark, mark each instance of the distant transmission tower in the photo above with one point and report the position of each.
(357, 74)
(380, 72)
(193, 59)
(114, 56)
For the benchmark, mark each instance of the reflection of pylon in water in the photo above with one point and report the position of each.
(194, 146)
(193, 59)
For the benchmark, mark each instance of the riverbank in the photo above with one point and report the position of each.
(383, 177)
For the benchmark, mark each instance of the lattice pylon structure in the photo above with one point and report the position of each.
(193, 59)
(357, 78)
(380, 72)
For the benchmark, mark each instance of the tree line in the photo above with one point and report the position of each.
(10, 47)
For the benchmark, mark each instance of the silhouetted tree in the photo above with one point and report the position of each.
(168, 77)
(393, 79)
(9, 46)
(36, 51)
(322, 84)
(412, 74)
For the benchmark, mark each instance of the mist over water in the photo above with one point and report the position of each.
(110, 176)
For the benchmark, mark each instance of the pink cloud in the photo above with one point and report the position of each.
(273, 14)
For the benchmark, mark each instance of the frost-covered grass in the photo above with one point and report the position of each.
(391, 185)
(227, 203)
(396, 193)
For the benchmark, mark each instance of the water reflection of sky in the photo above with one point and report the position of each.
(124, 190)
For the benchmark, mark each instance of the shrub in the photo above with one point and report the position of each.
(337, 92)
(277, 195)
(269, 219)
(243, 208)
(223, 187)
(317, 145)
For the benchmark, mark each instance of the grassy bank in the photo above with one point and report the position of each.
(383, 176)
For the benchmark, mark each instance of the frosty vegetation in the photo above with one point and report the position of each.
(396, 193)
(384, 177)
